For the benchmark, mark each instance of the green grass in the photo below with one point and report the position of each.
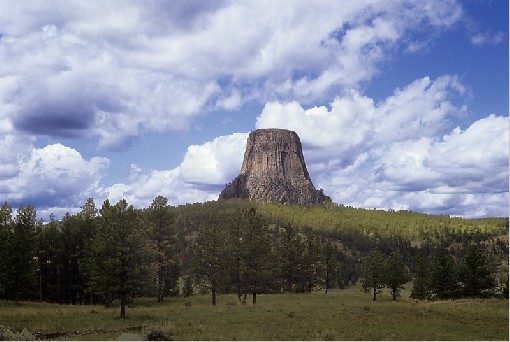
(340, 315)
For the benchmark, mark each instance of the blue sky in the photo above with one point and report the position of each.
(399, 104)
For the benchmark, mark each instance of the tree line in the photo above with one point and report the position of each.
(117, 252)
(239, 252)
(436, 277)
(95, 256)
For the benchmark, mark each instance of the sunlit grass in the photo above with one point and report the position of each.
(340, 315)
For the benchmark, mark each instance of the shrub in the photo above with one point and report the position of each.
(7, 334)
(328, 335)
(129, 337)
(159, 332)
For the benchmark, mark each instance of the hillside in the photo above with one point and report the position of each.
(356, 231)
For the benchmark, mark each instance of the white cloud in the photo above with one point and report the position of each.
(355, 122)
(403, 152)
(120, 69)
(429, 167)
(200, 177)
(399, 153)
(211, 163)
(470, 161)
(54, 175)
(487, 38)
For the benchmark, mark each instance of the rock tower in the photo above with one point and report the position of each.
(274, 171)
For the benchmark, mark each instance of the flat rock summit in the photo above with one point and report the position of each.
(274, 171)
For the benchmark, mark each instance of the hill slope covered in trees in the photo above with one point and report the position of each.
(234, 246)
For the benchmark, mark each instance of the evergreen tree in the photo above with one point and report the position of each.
(313, 263)
(88, 229)
(161, 220)
(474, 273)
(395, 274)
(421, 281)
(49, 242)
(235, 254)
(88, 210)
(5, 232)
(444, 275)
(75, 232)
(210, 254)
(330, 265)
(187, 291)
(257, 255)
(372, 272)
(20, 277)
(122, 254)
(291, 259)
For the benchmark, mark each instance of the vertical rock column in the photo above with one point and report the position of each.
(274, 170)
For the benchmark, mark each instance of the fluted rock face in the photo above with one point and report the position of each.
(274, 170)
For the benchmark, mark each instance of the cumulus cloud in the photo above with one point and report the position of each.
(403, 152)
(119, 69)
(354, 122)
(51, 176)
(200, 177)
(400, 153)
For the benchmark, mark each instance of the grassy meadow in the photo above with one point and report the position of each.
(347, 314)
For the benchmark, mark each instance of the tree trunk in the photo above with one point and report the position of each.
(107, 302)
(375, 293)
(161, 276)
(394, 293)
(327, 279)
(160, 292)
(245, 291)
(213, 292)
(254, 298)
(238, 278)
(123, 306)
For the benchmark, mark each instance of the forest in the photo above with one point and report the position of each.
(117, 252)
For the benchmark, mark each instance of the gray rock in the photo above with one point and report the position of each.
(274, 171)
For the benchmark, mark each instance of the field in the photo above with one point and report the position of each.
(340, 315)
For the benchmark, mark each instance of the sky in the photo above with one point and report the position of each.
(399, 104)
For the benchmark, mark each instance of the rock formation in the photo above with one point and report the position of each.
(274, 171)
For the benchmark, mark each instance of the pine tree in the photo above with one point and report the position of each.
(290, 258)
(396, 274)
(121, 263)
(187, 290)
(330, 265)
(372, 272)
(162, 220)
(49, 242)
(474, 273)
(20, 277)
(421, 281)
(313, 263)
(444, 275)
(235, 254)
(5, 234)
(209, 255)
(257, 255)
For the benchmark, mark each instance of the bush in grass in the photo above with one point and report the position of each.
(159, 332)
(328, 335)
(129, 337)
(7, 334)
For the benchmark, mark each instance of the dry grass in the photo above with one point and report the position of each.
(340, 315)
